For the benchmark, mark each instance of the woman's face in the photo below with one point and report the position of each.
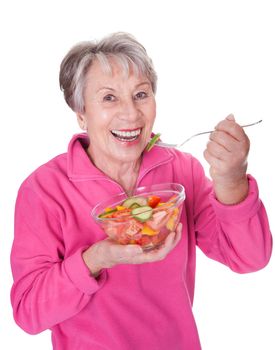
(120, 110)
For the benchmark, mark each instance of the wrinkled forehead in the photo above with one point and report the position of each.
(114, 72)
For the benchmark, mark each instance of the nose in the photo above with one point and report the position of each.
(129, 109)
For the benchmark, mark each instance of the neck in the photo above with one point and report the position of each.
(124, 173)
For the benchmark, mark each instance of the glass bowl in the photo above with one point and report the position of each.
(146, 218)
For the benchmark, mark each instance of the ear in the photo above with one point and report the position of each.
(81, 121)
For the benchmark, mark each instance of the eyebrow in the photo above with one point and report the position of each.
(112, 89)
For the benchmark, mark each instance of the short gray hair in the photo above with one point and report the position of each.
(121, 46)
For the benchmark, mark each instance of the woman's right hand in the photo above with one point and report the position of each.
(107, 253)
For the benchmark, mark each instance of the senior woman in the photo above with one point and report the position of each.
(90, 291)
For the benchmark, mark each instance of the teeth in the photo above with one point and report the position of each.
(127, 133)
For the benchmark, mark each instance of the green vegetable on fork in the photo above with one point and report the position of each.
(152, 142)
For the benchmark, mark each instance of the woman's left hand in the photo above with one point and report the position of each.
(160, 253)
(226, 153)
(108, 253)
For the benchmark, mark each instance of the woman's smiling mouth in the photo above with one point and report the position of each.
(126, 135)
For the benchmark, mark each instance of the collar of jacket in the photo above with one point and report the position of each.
(80, 167)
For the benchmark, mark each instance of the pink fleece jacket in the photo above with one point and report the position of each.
(128, 307)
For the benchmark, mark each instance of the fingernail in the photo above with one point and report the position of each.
(230, 117)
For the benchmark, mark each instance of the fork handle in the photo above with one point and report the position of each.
(209, 132)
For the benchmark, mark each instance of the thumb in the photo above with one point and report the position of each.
(230, 117)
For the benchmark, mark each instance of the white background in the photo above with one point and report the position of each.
(212, 58)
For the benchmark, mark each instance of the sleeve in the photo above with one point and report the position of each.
(235, 235)
(48, 288)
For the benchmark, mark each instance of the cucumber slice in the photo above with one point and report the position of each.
(152, 142)
(140, 201)
(142, 213)
(134, 206)
(106, 213)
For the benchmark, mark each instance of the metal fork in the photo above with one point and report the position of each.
(178, 145)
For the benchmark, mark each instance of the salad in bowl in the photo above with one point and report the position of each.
(146, 218)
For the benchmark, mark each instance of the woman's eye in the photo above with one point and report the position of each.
(141, 95)
(109, 98)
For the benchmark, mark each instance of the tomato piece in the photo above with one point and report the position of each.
(145, 240)
(158, 219)
(123, 240)
(132, 227)
(121, 215)
(153, 201)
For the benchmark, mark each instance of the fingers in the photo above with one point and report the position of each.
(224, 140)
(229, 126)
(107, 253)
(160, 253)
(119, 254)
(226, 153)
(156, 254)
(228, 142)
